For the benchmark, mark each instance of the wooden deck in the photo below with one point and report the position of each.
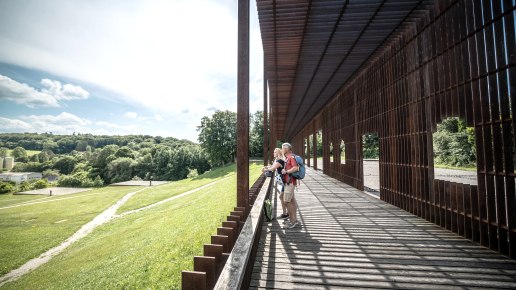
(349, 239)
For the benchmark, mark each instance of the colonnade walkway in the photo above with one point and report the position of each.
(350, 239)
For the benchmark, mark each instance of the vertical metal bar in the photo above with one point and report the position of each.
(243, 106)
(265, 118)
(314, 139)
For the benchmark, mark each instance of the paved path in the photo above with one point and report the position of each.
(48, 199)
(372, 175)
(55, 191)
(349, 239)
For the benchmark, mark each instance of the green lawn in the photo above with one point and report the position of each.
(10, 199)
(155, 194)
(27, 231)
(147, 249)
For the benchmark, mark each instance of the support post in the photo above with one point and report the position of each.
(243, 106)
(265, 123)
(314, 142)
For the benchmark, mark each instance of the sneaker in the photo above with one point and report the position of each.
(291, 226)
(286, 221)
(284, 216)
(286, 225)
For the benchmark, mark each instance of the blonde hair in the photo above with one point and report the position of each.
(280, 153)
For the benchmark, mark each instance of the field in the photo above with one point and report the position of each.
(155, 194)
(147, 249)
(38, 224)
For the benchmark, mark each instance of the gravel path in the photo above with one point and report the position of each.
(372, 178)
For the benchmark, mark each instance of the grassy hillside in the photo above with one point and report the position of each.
(29, 230)
(147, 249)
(155, 194)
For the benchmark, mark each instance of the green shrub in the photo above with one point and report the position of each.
(7, 187)
(40, 184)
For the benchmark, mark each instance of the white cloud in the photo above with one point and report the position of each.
(14, 125)
(131, 115)
(167, 56)
(64, 123)
(176, 60)
(24, 94)
(49, 96)
(64, 92)
(158, 117)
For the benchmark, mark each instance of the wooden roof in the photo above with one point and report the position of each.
(312, 47)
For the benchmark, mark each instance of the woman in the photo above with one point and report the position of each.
(278, 165)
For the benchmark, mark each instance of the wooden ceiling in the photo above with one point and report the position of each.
(312, 47)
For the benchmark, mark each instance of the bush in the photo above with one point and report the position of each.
(24, 186)
(7, 187)
(40, 184)
(79, 179)
(454, 144)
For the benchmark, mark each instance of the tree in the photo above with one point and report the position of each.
(199, 160)
(125, 152)
(24, 186)
(65, 164)
(370, 146)
(145, 166)
(43, 156)
(31, 167)
(40, 184)
(78, 179)
(3, 152)
(50, 174)
(20, 154)
(217, 135)
(121, 169)
(81, 145)
(7, 187)
(256, 135)
(454, 144)
(98, 182)
(181, 160)
(34, 158)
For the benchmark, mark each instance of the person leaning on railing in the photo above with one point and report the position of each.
(290, 182)
(278, 165)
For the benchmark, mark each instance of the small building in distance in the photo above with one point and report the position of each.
(19, 177)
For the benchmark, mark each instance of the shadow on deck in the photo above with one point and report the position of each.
(350, 239)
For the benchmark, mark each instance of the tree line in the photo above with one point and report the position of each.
(86, 160)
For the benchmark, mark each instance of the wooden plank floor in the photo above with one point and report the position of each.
(349, 239)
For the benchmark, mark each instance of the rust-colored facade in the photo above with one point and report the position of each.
(452, 59)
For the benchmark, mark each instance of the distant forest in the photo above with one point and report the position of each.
(86, 160)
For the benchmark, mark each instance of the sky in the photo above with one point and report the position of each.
(121, 67)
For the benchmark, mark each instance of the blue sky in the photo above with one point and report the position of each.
(120, 67)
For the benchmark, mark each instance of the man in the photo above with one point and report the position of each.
(290, 183)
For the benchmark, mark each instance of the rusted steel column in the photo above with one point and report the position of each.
(265, 123)
(243, 106)
(314, 139)
(308, 153)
